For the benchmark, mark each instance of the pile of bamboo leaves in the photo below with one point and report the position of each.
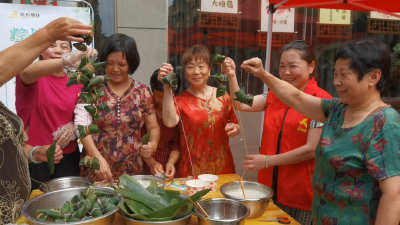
(153, 203)
(91, 203)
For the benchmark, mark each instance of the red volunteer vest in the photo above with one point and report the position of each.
(294, 183)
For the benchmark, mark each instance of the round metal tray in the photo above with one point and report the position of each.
(65, 182)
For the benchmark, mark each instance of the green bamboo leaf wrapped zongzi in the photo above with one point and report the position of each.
(88, 98)
(99, 65)
(80, 46)
(96, 211)
(243, 98)
(90, 162)
(221, 78)
(87, 130)
(221, 91)
(218, 59)
(98, 80)
(172, 80)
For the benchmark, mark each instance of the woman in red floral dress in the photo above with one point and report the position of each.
(206, 121)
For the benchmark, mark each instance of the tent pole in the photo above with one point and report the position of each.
(267, 66)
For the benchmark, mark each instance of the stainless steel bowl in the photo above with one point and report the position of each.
(65, 182)
(180, 221)
(56, 199)
(257, 205)
(222, 211)
(147, 178)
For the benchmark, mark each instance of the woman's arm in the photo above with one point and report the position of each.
(389, 205)
(303, 153)
(39, 154)
(170, 118)
(47, 67)
(91, 150)
(17, 57)
(229, 68)
(40, 69)
(303, 103)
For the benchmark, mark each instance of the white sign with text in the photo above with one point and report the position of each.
(283, 20)
(219, 6)
(18, 22)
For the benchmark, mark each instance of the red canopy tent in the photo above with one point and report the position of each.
(389, 7)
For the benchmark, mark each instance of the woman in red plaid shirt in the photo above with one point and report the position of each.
(168, 149)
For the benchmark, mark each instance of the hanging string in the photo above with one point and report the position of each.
(184, 134)
(244, 138)
(247, 89)
(47, 189)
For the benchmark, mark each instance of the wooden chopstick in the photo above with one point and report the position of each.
(241, 185)
(200, 208)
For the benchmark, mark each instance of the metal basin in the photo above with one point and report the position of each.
(145, 180)
(257, 206)
(56, 199)
(222, 211)
(180, 221)
(65, 182)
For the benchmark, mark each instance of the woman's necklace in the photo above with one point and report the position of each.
(209, 108)
(120, 93)
(345, 116)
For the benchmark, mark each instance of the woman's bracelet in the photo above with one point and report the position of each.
(266, 162)
(30, 154)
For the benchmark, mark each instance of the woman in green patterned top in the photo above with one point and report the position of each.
(357, 162)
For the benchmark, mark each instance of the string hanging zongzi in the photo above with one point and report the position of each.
(243, 98)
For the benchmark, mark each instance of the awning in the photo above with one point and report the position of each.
(385, 6)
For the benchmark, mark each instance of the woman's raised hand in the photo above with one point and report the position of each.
(228, 67)
(66, 28)
(165, 69)
(71, 61)
(90, 52)
(254, 66)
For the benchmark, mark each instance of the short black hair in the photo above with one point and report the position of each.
(367, 55)
(305, 51)
(157, 85)
(126, 45)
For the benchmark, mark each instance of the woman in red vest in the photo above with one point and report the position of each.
(286, 159)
